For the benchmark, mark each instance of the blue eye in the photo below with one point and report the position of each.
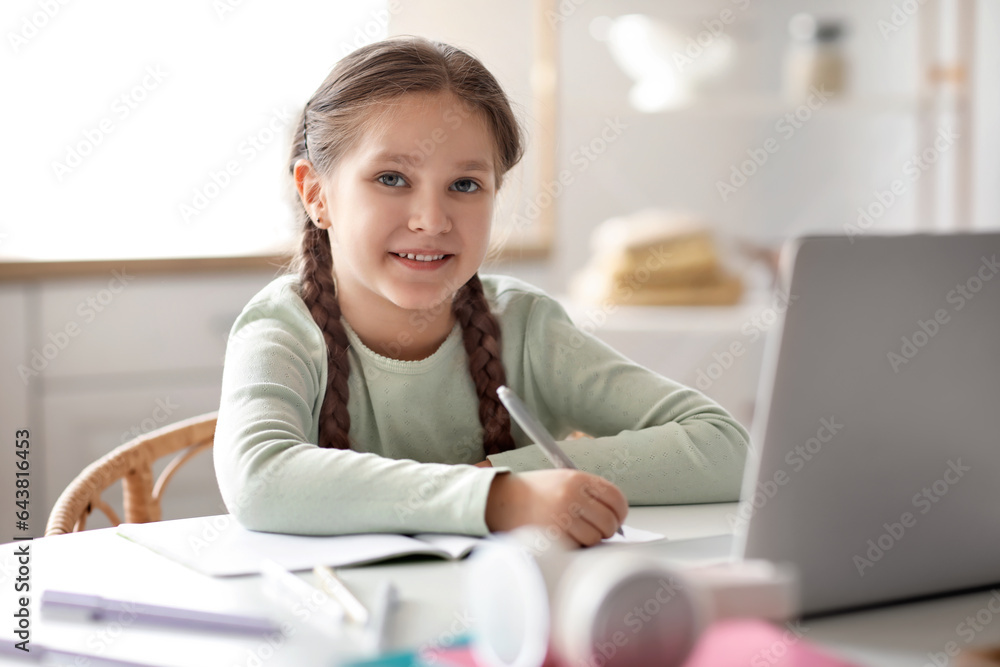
(469, 182)
(395, 180)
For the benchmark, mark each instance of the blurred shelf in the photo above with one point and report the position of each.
(20, 270)
(776, 106)
(772, 105)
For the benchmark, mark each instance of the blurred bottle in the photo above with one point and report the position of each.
(537, 603)
(815, 58)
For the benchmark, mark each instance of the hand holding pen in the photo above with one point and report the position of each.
(585, 507)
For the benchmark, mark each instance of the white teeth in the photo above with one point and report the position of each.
(420, 258)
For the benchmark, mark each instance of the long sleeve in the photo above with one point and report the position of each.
(660, 442)
(274, 478)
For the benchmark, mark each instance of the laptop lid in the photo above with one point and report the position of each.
(877, 471)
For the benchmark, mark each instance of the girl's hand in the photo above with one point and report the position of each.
(484, 464)
(584, 507)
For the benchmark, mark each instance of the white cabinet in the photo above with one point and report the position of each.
(153, 323)
(90, 361)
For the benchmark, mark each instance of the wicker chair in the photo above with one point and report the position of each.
(132, 463)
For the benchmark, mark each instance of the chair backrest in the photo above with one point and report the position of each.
(132, 463)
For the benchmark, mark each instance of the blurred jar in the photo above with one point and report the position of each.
(815, 59)
(535, 602)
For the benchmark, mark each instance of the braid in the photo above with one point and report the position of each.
(320, 295)
(481, 335)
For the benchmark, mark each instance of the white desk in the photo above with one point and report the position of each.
(431, 608)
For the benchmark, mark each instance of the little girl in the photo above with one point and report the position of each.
(359, 391)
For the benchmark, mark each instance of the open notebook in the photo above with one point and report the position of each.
(219, 546)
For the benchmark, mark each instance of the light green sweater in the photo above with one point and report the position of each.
(413, 421)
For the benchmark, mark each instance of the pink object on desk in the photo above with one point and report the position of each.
(743, 643)
(459, 656)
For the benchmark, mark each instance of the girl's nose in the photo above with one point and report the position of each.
(429, 215)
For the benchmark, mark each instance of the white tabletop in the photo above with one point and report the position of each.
(432, 610)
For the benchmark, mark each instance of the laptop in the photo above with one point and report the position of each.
(876, 469)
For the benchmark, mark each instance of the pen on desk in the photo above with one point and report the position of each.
(99, 608)
(291, 591)
(385, 600)
(47, 655)
(519, 411)
(335, 587)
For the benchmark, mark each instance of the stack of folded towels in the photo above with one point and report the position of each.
(655, 258)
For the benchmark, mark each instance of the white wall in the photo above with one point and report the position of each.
(822, 173)
(986, 111)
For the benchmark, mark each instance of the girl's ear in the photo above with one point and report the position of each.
(310, 188)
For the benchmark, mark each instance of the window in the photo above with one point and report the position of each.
(160, 129)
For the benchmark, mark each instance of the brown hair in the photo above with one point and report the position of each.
(350, 102)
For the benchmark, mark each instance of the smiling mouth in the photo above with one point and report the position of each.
(419, 258)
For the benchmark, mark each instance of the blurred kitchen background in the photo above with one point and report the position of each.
(146, 194)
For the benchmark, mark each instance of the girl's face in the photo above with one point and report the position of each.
(409, 208)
